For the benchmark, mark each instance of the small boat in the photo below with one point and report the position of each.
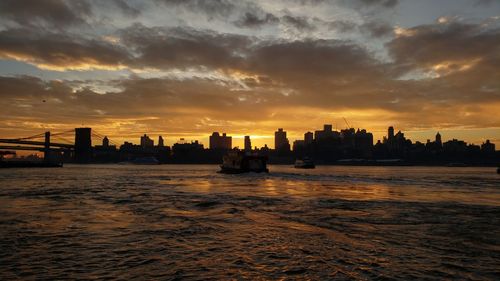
(305, 163)
(237, 162)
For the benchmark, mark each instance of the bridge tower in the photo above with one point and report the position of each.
(83, 145)
(46, 147)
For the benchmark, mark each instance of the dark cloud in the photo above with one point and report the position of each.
(299, 23)
(184, 48)
(342, 26)
(126, 8)
(333, 59)
(377, 29)
(251, 20)
(385, 3)
(54, 13)
(456, 43)
(59, 50)
(213, 8)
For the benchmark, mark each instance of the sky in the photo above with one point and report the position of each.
(187, 68)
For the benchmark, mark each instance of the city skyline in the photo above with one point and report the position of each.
(269, 140)
(260, 141)
(185, 69)
(328, 146)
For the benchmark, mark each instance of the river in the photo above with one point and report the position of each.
(187, 222)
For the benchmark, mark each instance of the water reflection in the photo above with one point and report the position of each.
(188, 222)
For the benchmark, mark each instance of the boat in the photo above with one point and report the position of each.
(237, 162)
(305, 163)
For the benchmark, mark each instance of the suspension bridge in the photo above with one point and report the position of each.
(75, 143)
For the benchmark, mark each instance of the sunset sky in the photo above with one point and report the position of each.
(187, 68)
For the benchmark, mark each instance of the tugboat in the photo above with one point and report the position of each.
(305, 163)
(237, 162)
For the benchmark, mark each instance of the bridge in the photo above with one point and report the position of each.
(80, 149)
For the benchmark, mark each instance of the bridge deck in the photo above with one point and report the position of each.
(15, 141)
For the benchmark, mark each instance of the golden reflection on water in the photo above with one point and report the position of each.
(165, 221)
(91, 215)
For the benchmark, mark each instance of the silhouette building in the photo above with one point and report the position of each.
(220, 142)
(248, 143)
(488, 147)
(390, 133)
(363, 143)
(280, 141)
(326, 134)
(146, 142)
(83, 145)
(438, 141)
(160, 142)
(105, 142)
(308, 138)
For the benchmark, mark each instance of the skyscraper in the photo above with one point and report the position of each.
(438, 140)
(248, 143)
(160, 142)
(308, 138)
(390, 133)
(83, 145)
(280, 141)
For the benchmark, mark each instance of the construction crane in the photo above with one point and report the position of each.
(348, 126)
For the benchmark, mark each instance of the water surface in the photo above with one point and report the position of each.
(187, 222)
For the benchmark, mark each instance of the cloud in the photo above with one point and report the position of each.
(184, 48)
(199, 106)
(342, 26)
(60, 51)
(377, 29)
(213, 8)
(299, 23)
(53, 13)
(251, 20)
(385, 3)
(452, 46)
(126, 8)
(241, 72)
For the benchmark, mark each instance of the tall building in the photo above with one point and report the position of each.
(83, 145)
(439, 142)
(160, 142)
(146, 141)
(308, 138)
(220, 142)
(105, 142)
(280, 141)
(390, 133)
(248, 143)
